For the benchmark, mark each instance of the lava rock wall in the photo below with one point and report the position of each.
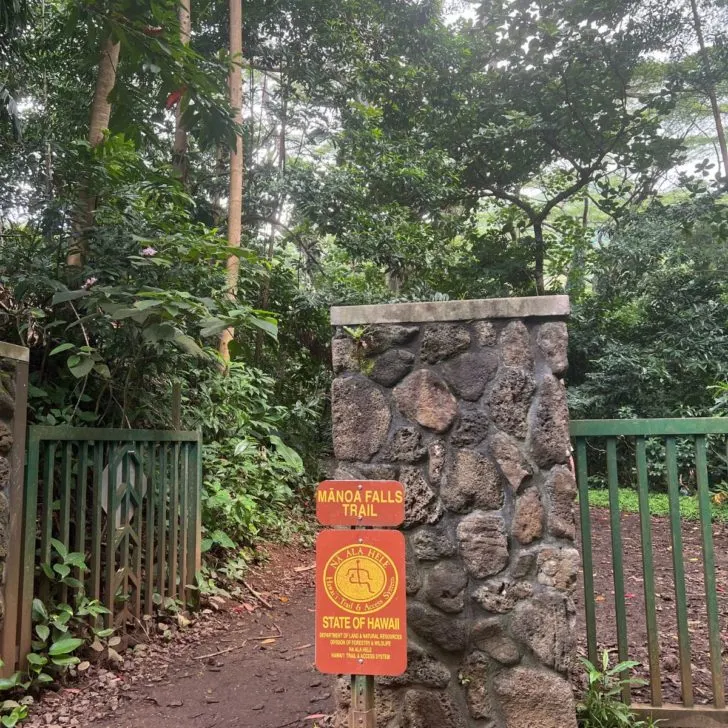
(7, 413)
(463, 403)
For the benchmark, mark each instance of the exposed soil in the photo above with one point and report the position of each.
(665, 598)
(263, 676)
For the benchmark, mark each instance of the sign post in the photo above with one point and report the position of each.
(361, 610)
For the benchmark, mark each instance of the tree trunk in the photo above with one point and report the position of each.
(179, 149)
(265, 294)
(235, 204)
(99, 121)
(539, 254)
(715, 106)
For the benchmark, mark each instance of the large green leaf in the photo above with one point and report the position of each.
(65, 296)
(83, 367)
(65, 646)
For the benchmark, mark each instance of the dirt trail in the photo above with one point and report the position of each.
(263, 678)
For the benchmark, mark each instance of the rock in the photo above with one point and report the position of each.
(561, 489)
(412, 570)
(7, 403)
(422, 669)
(469, 374)
(425, 398)
(344, 355)
(553, 340)
(472, 481)
(378, 339)
(531, 697)
(4, 530)
(489, 637)
(436, 459)
(500, 597)
(510, 459)
(366, 471)
(445, 588)
(392, 366)
(406, 445)
(446, 631)
(441, 341)
(471, 429)
(421, 504)
(515, 346)
(424, 709)
(387, 706)
(549, 432)
(4, 471)
(545, 624)
(529, 516)
(342, 692)
(476, 677)
(485, 333)
(431, 544)
(361, 417)
(523, 564)
(483, 543)
(510, 400)
(558, 568)
(6, 439)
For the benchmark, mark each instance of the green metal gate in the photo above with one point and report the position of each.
(623, 445)
(129, 500)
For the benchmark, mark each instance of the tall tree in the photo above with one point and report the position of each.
(180, 133)
(710, 85)
(98, 122)
(235, 189)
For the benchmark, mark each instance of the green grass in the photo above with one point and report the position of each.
(659, 505)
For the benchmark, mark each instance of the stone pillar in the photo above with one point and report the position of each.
(462, 402)
(13, 400)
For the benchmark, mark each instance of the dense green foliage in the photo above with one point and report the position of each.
(394, 150)
(601, 705)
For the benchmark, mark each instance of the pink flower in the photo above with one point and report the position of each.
(89, 282)
(149, 252)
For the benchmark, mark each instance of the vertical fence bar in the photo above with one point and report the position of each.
(711, 593)
(193, 526)
(162, 519)
(64, 515)
(96, 519)
(615, 526)
(28, 559)
(648, 573)
(582, 478)
(16, 499)
(138, 531)
(683, 635)
(46, 515)
(125, 528)
(111, 538)
(184, 525)
(80, 525)
(173, 522)
(150, 470)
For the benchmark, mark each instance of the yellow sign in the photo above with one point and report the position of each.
(360, 579)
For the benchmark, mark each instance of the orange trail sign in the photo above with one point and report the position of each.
(360, 503)
(361, 613)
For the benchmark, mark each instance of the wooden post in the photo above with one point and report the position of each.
(14, 568)
(363, 714)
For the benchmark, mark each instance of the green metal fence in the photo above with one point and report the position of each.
(619, 449)
(129, 500)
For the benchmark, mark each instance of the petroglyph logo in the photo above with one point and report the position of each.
(360, 579)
